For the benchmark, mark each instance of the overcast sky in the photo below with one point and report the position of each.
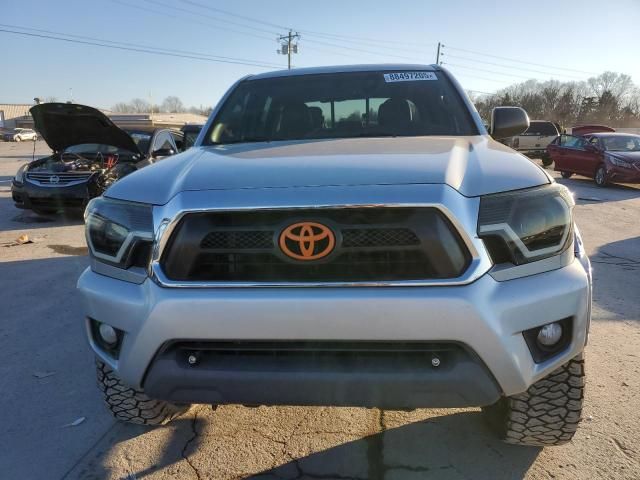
(568, 40)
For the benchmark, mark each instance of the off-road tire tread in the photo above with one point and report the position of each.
(548, 413)
(130, 405)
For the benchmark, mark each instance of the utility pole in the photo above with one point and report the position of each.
(289, 47)
(438, 54)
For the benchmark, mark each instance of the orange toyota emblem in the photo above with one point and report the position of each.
(307, 241)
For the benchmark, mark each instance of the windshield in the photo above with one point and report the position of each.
(141, 139)
(621, 143)
(342, 105)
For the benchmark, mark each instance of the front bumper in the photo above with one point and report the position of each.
(623, 175)
(485, 317)
(31, 196)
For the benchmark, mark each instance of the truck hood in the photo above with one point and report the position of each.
(64, 125)
(472, 165)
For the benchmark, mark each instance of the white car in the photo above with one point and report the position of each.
(20, 134)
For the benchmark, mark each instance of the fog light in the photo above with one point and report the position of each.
(550, 334)
(108, 334)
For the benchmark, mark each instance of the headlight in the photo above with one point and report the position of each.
(618, 162)
(19, 178)
(527, 225)
(119, 233)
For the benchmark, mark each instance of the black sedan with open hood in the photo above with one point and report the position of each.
(89, 154)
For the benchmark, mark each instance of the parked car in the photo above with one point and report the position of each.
(305, 254)
(20, 135)
(191, 132)
(533, 141)
(606, 157)
(89, 154)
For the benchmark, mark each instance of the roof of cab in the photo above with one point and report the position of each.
(374, 67)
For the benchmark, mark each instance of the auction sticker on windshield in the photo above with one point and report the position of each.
(409, 76)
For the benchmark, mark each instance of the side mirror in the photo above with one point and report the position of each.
(508, 122)
(162, 152)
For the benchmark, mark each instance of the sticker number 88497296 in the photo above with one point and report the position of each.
(409, 76)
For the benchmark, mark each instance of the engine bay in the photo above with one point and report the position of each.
(76, 162)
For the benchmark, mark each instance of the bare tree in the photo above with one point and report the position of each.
(121, 107)
(172, 104)
(618, 84)
(610, 98)
(139, 105)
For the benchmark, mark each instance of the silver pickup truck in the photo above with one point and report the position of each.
(348, 236)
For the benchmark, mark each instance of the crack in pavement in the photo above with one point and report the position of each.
(184, 455)
(623, 449)
(616, 260)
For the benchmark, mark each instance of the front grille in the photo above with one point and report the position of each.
(58, 179)
(57, 202)
(371, 244)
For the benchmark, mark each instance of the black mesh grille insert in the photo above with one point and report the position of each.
(371, 244)
(237, 240)
(370, 237)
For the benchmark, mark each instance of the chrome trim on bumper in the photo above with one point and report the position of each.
(462, 212)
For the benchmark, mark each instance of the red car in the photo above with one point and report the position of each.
(604, 156)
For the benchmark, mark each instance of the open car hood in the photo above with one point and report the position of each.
(63, 125)
(587, 129)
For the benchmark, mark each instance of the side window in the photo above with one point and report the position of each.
(533, 130)
(569, 141)
(178, 139)
(547, 129)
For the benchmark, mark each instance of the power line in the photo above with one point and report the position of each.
(362, 50)
(190, 20)
(388, 45)
(216, 19)
(211, 17)
(519, 61)
(306, 32)
(512, 67)
(231, 14)
(486, 71)
(128, 44)
(475, 77)
(194, 56)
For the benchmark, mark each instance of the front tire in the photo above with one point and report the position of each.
(600, 178)
(548, 413)
(566, 174)
(18, 139)
(130, 405)
(546, 159)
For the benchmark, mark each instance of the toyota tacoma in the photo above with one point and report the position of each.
(343, 236)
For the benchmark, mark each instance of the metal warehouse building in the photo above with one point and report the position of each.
(13, 115)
